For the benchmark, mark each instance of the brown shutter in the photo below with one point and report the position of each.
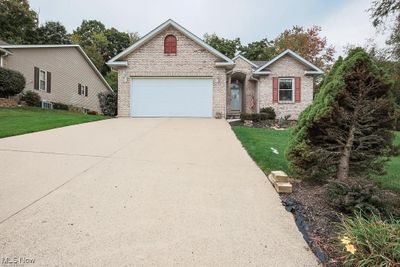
(275, 89)
(36, 78)
(86, 91)
(297, 91)
(48, 82)
(79, 88)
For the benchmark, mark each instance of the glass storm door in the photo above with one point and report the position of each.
(235, 97)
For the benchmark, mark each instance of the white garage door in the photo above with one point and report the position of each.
(174, 97)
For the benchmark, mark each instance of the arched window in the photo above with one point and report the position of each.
(170, 45)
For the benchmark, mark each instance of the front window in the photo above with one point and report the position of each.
(286, 89)
(42, 80)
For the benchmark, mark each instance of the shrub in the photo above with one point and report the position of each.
(255, 117)
(11, 82)
(270, 112)
(355, 196)
(31, 98)
(370, 241)
(112, 79)
(61, 106)
(108, 103)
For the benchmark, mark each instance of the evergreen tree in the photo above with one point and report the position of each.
(347, 129)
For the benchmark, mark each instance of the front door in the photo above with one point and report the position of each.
(236, 101)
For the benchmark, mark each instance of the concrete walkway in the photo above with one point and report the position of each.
(143, 192)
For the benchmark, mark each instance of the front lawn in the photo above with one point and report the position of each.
(15, 121)
(258, 143)
(391, 179)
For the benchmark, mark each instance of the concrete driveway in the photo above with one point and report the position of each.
(142, 192)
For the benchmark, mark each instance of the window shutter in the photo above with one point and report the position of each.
(297, 91)
(36, 78)
(79, 88)
(275, 89)
(86, 91)
(48, 82)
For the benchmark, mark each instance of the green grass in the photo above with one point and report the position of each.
(391, 180)
(16, 121)
(258, 143)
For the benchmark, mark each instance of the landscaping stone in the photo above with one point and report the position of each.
(280, 176)
(248, 123)
(8, 102)
(280, 181)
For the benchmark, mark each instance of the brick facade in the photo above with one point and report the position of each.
(191, 60)
(287, 67)
(249, 86)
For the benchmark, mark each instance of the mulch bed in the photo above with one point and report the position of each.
(316, 220)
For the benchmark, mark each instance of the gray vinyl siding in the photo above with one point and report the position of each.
(68, 67)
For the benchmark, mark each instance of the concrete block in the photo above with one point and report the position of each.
(280, 176)
(282, 187)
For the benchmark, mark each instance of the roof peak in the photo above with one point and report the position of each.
(157, 30)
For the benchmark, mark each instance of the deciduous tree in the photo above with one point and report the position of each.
(18, 22)
(259, 50)
(52, 32)
(309, 44)
(225, 46)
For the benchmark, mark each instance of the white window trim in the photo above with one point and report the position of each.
(293, 89)
(45, 80)
(83, 89)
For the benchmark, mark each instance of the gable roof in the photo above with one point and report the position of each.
(78, 47)
(115, 60)
(259, 63)
(245, 59)
(289, 52)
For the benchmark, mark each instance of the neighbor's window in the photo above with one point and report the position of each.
(170, 45)
(42, 80)
(286, 89)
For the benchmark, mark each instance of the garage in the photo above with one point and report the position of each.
(171, 97)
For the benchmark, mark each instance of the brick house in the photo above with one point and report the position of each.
(170, 72)
(58, 73)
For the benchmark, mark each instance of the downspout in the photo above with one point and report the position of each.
(258, 92)
(2, 59)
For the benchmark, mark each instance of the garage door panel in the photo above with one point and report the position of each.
(173, 97)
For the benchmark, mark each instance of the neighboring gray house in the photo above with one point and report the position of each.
(172, 72)
(59, 73)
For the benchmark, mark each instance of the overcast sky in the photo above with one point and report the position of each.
(343, 21)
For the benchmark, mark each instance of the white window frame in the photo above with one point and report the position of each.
(83, 89)
(279, 90)
(45, 80)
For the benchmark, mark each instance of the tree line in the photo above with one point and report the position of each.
(309, 43)
(19, 24)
